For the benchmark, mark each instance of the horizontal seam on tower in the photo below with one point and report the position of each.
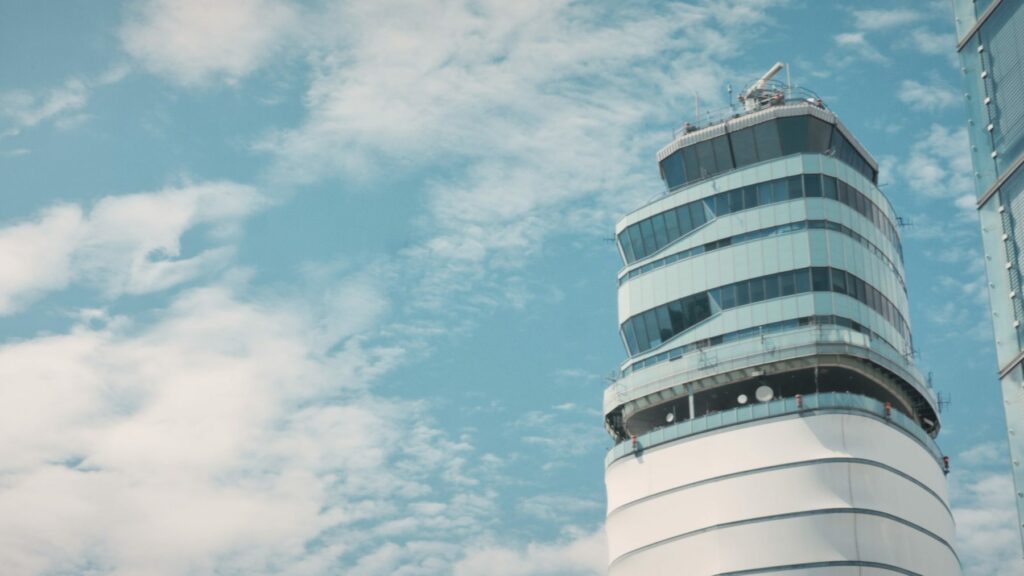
(827, 564)
(787, 516)
(801, 463)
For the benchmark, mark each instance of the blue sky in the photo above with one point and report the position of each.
(326, 287)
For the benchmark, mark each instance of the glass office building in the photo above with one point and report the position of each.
(991, 48)
(769, 418)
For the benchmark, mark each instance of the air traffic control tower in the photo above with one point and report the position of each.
(769, 418)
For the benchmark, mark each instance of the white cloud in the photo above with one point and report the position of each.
(23, 109)
(522, 106)
(931, 97)
(194, 42)
(932, 43)
(939, 165)
(584, 554)
(872, 20)
(124, 244)
(858, 43)
(62, 105)
(982, 494)
(226, 437)
(558, 509)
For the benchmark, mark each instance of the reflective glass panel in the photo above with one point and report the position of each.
(766, 136)
(743, 147)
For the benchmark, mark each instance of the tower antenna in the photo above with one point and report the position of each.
(749, 97)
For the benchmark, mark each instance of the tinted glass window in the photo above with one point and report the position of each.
(627, 246)
(793, 131)
(692, 165)
(803, 280)
(829, 190)
(819, 135)
(839, 281)
(721, 204)
(771, 286)
(701, 308)
(683, 215)
(727, 297)
(672, 167)
(642, 341)
(647, 233)
(706, 157)
(660, 236)
(743, 147)
(627, 331)
(787, 285)
(671, 225)
(819, 279)
(766, 137)
(757, 290)
(722, 153)
(780, 190)
(664, 323)
(697, 214)
(812, 185)
(675, 312)
(750, 197)
(793, 186)
(651, 323)
(736, 200)
(742, 294)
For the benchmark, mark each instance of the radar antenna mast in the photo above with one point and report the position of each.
(752, 97)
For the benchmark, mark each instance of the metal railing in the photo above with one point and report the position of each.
(771, 347)
(823, 402)
(774, 93)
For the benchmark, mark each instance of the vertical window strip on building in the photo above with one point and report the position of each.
(1011, 198)
(1003, 33)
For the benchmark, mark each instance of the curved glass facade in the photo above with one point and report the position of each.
(787, 228)
(649, 329)
(759, 143)
(653, 234)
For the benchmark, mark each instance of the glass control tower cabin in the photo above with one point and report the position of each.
(769, 418)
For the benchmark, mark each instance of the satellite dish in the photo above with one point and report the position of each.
(670, 417)
(742, 398)
(764, 393)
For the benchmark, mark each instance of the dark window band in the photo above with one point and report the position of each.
(757, 235)
(651, 235)
(759, 143)
(651, 328)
